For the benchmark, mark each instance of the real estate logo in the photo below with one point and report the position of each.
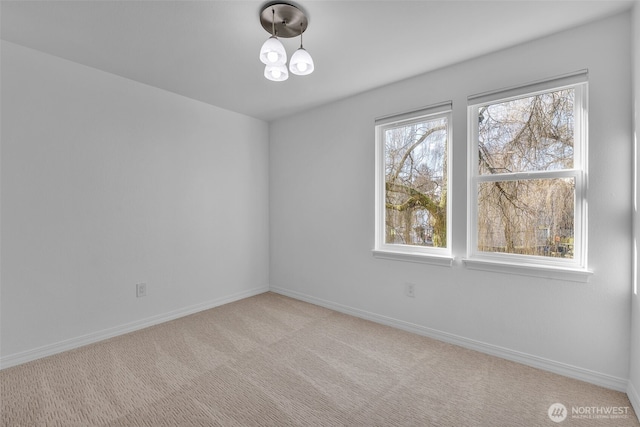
(557, 412)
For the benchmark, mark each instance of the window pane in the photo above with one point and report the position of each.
(415, 183)
(527, 134)
(528, 217)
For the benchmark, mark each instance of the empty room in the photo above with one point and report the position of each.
(319, 213)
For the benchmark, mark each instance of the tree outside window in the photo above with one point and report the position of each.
(413, 179)
(528, 175)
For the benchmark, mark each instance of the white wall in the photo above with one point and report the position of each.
(634, 375)
(322, 216)
(106, 183)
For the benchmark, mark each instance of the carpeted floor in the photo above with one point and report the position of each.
(273, 361)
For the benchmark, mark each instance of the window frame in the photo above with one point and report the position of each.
(568, 269)
(411, 253)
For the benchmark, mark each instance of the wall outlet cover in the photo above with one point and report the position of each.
(141, 290)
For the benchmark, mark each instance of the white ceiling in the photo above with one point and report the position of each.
(208, 50)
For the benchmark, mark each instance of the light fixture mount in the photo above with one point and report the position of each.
(289, 20)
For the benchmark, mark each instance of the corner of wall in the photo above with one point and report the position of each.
(633, 389)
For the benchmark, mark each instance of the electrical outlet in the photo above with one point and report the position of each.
(141, 290)
(410, 290)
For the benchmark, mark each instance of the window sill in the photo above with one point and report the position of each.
(441, 260)
(544, 272)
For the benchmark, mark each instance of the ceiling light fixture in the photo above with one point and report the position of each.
(283, 20)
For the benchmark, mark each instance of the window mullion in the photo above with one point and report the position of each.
(564, 173)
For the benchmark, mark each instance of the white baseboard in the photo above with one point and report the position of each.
(634, 398)
(597, 378)
(69, 344)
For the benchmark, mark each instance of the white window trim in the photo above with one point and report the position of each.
(575, 269)
(410, 253)
(443, 260)
(540, 271)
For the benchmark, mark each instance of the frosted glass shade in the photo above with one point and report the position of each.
(272, 52)
(301, 63)
(276, 73)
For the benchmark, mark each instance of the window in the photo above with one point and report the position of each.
(527, 186)
(412, 185)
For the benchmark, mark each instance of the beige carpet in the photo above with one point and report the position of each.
(273, 361)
